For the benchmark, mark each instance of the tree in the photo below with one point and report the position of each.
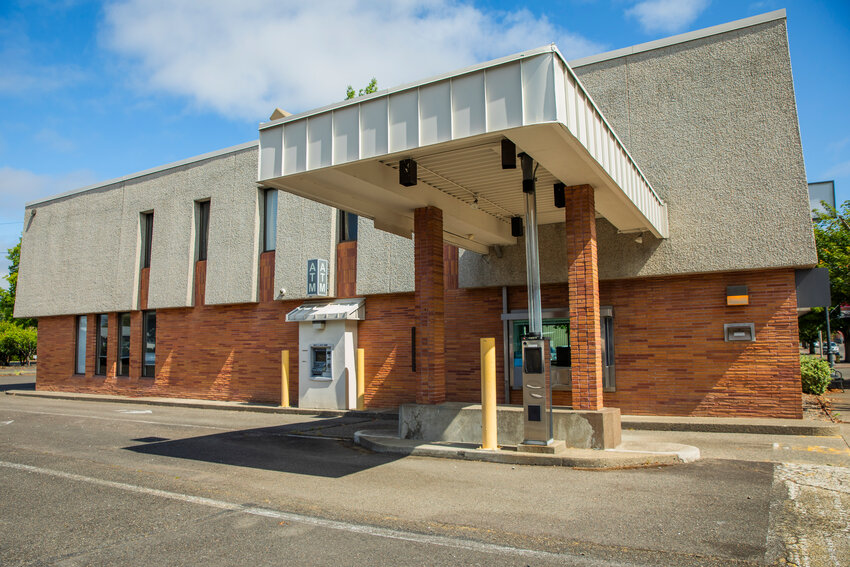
(16, 342)
(7, 297)
(832, 238)
(372, 87)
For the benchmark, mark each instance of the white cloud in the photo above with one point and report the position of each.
(18, 186)
(22, 73)
(54, 140)
(244, 59)
(668, 16)
(838, 170)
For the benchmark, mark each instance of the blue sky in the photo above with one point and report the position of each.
(91, 90)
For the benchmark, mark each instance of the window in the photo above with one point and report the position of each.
(100, 344)
(557, 330)
(149, 344)
(269, 219)
(347, 226)
(202, 234)
(123, 344)
(606, 328)
(147, 239)
(80, 362)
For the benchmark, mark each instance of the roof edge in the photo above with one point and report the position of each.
(182, 162)
(681, 38)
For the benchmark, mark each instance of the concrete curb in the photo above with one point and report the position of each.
(387, 442)
(202, 404)
(758, 426)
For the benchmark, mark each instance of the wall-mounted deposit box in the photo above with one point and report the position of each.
(739, 331)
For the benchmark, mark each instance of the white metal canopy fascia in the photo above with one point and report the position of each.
(346, 155)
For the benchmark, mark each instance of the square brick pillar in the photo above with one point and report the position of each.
(430, 330)
(583, 281)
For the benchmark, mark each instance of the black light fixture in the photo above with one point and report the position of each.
(407, 172)
(528, 171)
(737, 295)
(516, 227)
(560, 195)
(508, 154)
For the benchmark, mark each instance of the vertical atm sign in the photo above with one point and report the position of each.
(317, 278)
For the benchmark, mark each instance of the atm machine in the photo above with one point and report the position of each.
(536, 386)
(536, 391)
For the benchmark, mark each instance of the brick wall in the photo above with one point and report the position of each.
(144, 286)
(430, 305)
(200, 282)
(583, 291)
(671, 358)
(346, 269)
(267, 291)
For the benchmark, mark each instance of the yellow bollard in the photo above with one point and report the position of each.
(488, 393)
(361, 379)
(284, 378)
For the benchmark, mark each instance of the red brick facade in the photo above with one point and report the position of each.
(200, 282)
(346, 269)
(430, 302)
(583, 284)
(670, 355)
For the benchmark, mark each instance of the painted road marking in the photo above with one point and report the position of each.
(7, 422)
(117, 419)
(134, 411)
(388, 533)
(814, 449)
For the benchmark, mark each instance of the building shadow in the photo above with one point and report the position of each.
(16, 383)
(321, 448)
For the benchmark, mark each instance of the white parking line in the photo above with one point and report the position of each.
(373, 531)
(116, 419)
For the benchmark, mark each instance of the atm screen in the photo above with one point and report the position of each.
(533, 360)
(321, 361)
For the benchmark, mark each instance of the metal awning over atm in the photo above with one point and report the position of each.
(338, 310)
(347, 155)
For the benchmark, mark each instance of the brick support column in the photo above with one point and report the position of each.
(430, 330)
(583, 281)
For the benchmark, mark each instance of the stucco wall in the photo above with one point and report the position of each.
(81, 253)
(305, 230)
(713, 125)
(384, 261)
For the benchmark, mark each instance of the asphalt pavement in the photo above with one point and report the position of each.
(95, 483)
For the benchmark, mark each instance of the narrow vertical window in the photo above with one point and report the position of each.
(123, 344)
(149, 344)
(100, 344)
(147, 239)
(347, 226)
(606, 327)
(80, 362)
(202, 235)
(269, 219)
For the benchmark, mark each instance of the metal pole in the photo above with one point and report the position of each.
(488, 394)
(532, 256)
(828, 341)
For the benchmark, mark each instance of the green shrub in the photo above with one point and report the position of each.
(16, 343)
(815, 373)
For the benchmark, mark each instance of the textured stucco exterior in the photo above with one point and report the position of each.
(305, 230)
(713, 125)
(384, 261)
(81, 253)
